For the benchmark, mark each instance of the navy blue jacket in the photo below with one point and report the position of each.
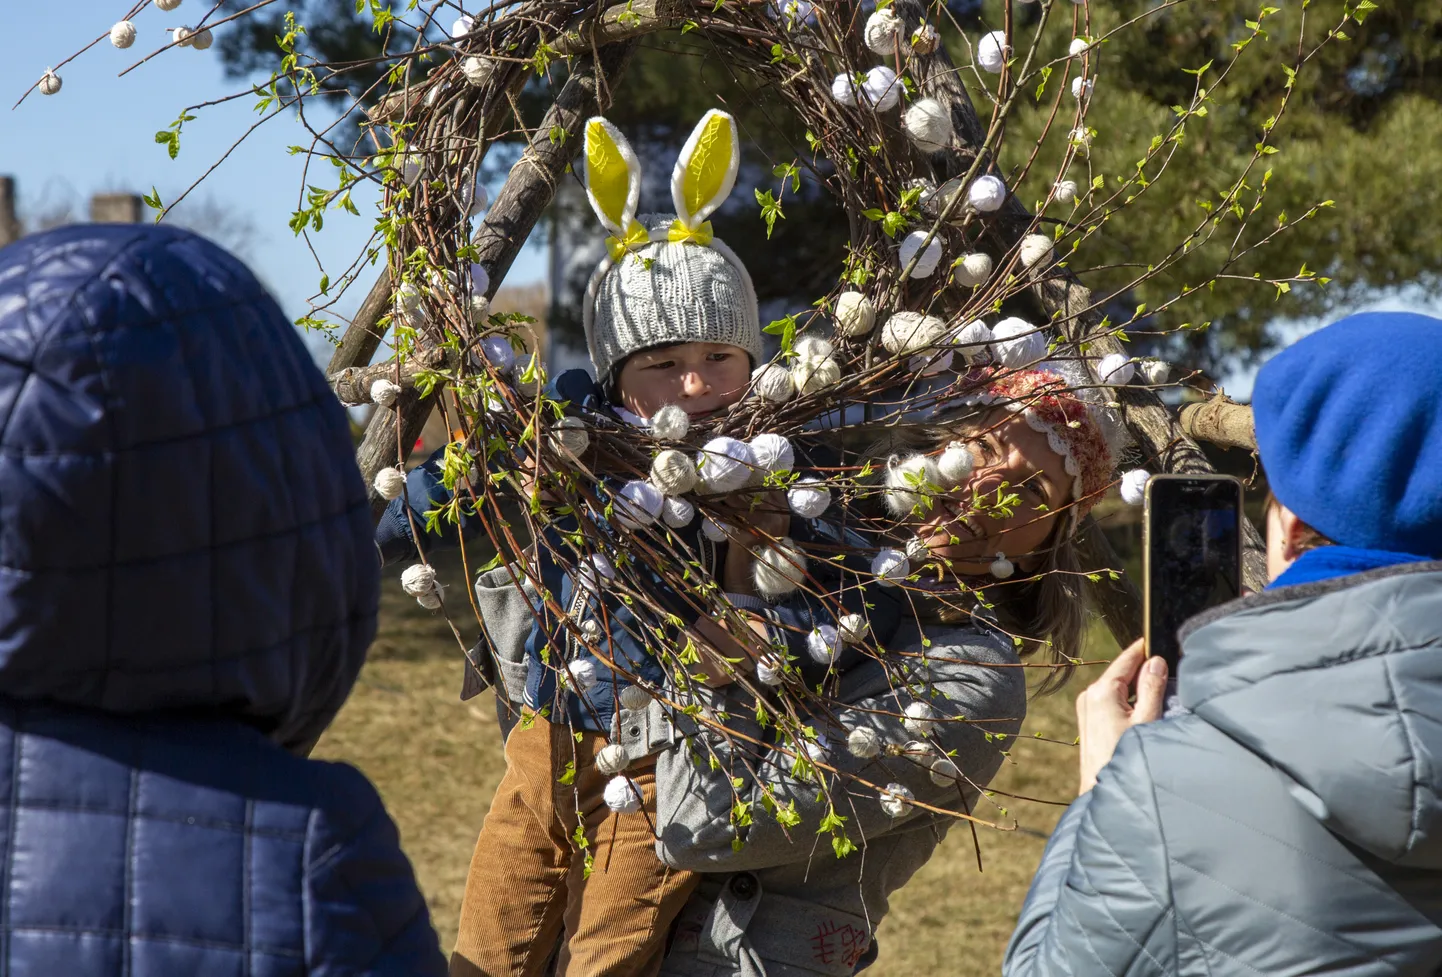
(624, 634)
(187, 591)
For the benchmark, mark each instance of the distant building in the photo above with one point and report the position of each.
(105, 208)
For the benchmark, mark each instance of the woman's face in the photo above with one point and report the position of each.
(1010, 504)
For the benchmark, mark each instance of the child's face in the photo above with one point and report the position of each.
(698, 377)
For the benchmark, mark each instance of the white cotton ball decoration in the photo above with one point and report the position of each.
(621, 796)
(854, 314)
(390, 483)
(917, 550)
(928, 125)
(591, 571)
(499, 351)
(724, 465)
(480, 309)
(715, 531)
(202, 39)
(638, 504)
(930, 256)
(1081, 88)
(880, 32)
(974, 341)
(780, 568)
(896, 800)
(181, 36)
(772, 383)
(463, 25)
(944, 772)
(431, 601)
(881, 88)
(809, 498)
(972, 269)
(925, 39)
(1001, 567)
(50, 83)
(843, 89)
(581, 674)
(986, 194)
(956, 463)
(635, 698)
(920, 719)
(911, 483)
(1079, 45)
(569, 436)
(475, 70)
(823, 644)
(1156, 372)
(677, 513)
(853, 628)
(670, 423)
(408, 299)
(122, 35)
(1017, 343)
(166, 4)
(418, 579)
(931, 363)
(991, 52)
(911, 332)
(813, 348)
(673, 473)
(768, 670)
(476, 198)
(480, 280)
(1065, 191)
(1081, 138)
(612, 758)
(889, 566)
(1134, 486)
(772, 452)
(1116, 369)
(384, 392)
(812, 376)
(863, 742)
(1035, 249)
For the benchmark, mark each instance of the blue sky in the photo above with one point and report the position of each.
(98, 134)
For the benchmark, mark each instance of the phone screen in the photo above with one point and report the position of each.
(1193, 555)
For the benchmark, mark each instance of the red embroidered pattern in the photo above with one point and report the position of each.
(843, 943)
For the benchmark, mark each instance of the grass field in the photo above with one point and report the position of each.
(437, 760)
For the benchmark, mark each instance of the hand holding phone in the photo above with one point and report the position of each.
(1191, 554)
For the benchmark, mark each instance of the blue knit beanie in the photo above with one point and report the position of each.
(1349, 427)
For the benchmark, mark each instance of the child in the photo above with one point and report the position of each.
(670, 319)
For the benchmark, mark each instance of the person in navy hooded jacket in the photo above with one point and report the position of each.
(187, 590)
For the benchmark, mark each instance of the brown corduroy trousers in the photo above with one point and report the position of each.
(527, 884)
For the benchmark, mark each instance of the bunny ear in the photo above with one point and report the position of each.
(706, 169)
(613, 175)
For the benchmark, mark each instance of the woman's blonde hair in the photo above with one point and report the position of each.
(1045, 610)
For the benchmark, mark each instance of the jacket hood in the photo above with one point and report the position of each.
(1339, 685)
(182, 523)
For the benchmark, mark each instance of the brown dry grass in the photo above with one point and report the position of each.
(437, 760)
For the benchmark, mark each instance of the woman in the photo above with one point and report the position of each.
(908, 740)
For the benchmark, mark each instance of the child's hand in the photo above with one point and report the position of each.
(766, 514)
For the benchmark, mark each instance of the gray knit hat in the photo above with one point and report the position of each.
(666, 278)
(669, 292)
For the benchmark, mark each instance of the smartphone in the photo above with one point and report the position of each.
(1191, 554)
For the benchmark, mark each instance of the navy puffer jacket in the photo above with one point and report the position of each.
(187, 591)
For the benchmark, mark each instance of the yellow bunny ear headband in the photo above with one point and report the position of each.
(665, 278)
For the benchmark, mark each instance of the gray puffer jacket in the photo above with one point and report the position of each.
(779, 903)
(1289, 823)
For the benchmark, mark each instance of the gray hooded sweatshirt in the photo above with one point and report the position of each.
(776, 901)
(1289, 823)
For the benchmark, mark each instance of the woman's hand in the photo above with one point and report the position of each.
(1103, 713)
(757, 520)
